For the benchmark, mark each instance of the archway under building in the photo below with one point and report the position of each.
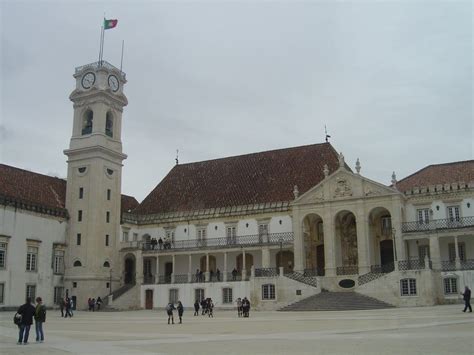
(129, 269)
(313, 241)
(380, 247)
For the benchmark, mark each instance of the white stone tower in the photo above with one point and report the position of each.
(94, 182)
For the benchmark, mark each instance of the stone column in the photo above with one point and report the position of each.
(225, 267)
(157, 270)
(207, 275)
(244, 268)
(190, 268)
(396, 214)
(362, 239)
(456, 249)
(435, 252)
(266, 257)
(173, 269)
(298, 241)
(139, 271)
(329, 243)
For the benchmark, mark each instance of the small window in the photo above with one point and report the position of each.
(58, 266)
(135, 237)
(79, 216)
(450, 286)
(125, 236)
(199, 294)
(31, 291)
(31, 259)
(2, 293)
(3, 255)
(110, 172)
(408, 287)
(106, 240)
(109, 124)
(109, 193)
(81, 193)
(78, 239)
(174, 295)
(106, 264)
(107, 217)
(74, 284)
(82, 170)
(268, 292)
(262, 232)
(202, 236)
(227, 295)
(87, 122)
(453, 214)
(77, 263)
(107, 285)
(423, 215)
(58, 295)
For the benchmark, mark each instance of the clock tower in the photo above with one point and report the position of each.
(93, 195)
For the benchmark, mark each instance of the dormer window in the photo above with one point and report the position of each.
(87, 122)
(109, 124)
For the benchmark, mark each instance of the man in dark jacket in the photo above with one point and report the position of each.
(27, 312)
(40, 318)
(467, 299)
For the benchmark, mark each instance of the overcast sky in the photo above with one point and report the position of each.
(392, 80)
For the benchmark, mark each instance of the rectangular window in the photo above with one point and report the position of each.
(423, 215)
(423, 251)
(199, 294)
(3, 255)
(227, 295)
(135, 237)
(81, 193)
(231, 234)
(461, 251)
(78, 239)
(74, 284)
(125, 236)
(202, 236)
(107, 217)
(450, 286)
(386, 224)
(58, 294)
(106, 240)
(268, 292)
(109, 192)
(58, 267)
(31, 291)
(453, 213)
(2, 292)
(31, 259)
(263, 232)
(408, 287)
(79, 216)
(174, 295)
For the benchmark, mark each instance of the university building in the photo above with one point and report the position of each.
(277, 227)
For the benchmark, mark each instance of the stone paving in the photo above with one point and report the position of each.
(423, 330)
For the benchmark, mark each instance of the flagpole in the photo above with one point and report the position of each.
(121, 59)
(102, 47)
(100, 43)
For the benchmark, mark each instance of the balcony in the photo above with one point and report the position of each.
(217, 243)
(438, 224)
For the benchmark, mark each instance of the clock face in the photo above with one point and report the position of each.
(113, 83)
(88, 80)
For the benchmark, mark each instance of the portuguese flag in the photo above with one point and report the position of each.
(108, 24)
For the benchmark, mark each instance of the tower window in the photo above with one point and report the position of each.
(79, 216)
(109, 124)
(109, 192)
(107, 217)
(77, 263)
(106, 240)
(78, 239)
(81, 193)
(87, 122)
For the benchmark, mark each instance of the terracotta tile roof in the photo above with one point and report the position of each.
(461, 171)
(128, 203)
(241, 180)
(27, 186)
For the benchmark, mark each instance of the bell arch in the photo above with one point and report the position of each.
(109, 124)
(87, 122)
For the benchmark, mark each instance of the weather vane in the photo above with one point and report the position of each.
(327, 135)
(177, 156)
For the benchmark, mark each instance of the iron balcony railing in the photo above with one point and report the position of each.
(448, 265)
(347, 270)
(313, 272)
(467, 264)
(436, 224)
(181, 279)
(99, 64)
(382, 269)
(267, 272)
(404, 265)
(222, 242)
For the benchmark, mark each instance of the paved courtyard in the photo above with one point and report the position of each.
(426, 330)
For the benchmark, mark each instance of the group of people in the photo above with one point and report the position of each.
(160, 244)
(24, 319)
(243, 307)
(66, 305)
(213, 276)
(92, 303)
(207, 307)
(169, 310)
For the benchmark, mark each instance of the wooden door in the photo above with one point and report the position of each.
(149, 299)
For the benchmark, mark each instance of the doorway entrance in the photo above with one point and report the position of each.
(168, 271)
(129, 270)
(320, 259)
(149, 299)
(386, 255)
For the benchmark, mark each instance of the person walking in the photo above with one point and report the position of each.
(40, 318)
(180, 309)
(99, 303)
(467, 299)
(27, 311)
(234, 274)
(67, 304)
(169, 310)
(61, 307)
(196, 308)
(239, 307)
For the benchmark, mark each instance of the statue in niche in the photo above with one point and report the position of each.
(342, 188)
(349, 241)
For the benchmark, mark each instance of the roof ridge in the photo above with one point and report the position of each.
(32, 172)
(432, 165)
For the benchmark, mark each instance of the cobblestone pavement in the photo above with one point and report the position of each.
(423, 330)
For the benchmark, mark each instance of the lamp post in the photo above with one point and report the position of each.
(110, 282)
(394, 245)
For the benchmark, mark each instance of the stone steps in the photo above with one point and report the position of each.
(337, 301)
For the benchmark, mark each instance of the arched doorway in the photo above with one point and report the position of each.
(285, 258)
(346, 243)
(381, 249)
(248, 261)
(313, 239)
(129, 269)
(212, 263)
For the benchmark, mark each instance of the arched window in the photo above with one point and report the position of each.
(87, 122)
(77, 263)
(109, 124)
(106, 264)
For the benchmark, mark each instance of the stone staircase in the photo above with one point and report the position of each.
(308, 280)
(125, 297)
(337, 301)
